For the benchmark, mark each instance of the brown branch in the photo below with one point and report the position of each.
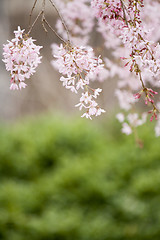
(47, 23)
(62, 20)
(30, 16)
(43, 16)
(140, 77)
(34, 22)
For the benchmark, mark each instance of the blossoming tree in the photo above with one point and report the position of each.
(129, 29)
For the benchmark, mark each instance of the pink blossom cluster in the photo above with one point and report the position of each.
(131, 22)
(21, 58)
(87, 101)
(78, 65)
(143, 54)
(107, 9)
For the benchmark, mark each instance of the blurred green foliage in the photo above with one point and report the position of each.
(78, 180)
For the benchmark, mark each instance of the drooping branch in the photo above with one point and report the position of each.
(31, 27)
(30, 16)
(47, 23)
(62, 19)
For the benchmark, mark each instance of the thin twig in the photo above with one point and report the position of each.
(45, 21)
(62, 20)
(30, 16)
(140, 77)
(43, 16)
(34, 22)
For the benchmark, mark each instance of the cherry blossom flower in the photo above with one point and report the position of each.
(87, 102)
(79, 64)
(21, 58)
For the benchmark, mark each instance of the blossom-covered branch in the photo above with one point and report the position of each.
(78, 64)
(125, 20)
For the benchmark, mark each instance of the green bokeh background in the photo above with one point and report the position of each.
(78, 180)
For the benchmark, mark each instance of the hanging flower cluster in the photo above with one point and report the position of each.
(78, 65)
(126, 23)
(21, 58)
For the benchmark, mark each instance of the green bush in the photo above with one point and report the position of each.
(74, 180)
